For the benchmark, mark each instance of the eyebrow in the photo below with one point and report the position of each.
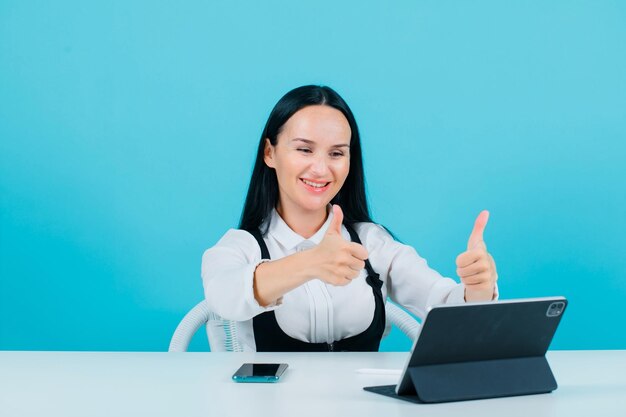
(310, 142)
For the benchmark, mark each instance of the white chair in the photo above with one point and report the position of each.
(223, 334)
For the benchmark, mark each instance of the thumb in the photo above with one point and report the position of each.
(335, 223)
(476, 237)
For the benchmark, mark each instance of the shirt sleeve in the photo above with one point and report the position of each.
(410, 281)
(228, 276)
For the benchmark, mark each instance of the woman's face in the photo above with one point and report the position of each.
(311, 158)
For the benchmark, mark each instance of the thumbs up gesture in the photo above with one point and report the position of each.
(336, 260)
(476, 266)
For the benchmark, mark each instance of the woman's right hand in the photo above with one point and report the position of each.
(336, 260)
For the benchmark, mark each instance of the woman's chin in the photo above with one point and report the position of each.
(314, 206)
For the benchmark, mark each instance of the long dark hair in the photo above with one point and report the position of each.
(263, 190)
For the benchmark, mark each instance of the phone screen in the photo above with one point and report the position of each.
(259, 372)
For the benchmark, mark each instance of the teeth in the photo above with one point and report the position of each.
(312, 184)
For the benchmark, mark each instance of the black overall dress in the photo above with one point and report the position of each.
(269, 337)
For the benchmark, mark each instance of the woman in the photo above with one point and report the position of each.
(309, 270)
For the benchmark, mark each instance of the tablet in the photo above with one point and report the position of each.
(481, 350)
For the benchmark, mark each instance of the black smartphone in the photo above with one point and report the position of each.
(259, 372)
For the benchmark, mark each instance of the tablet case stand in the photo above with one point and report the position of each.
(476, 380)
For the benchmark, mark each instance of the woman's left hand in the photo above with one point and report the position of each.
(476, 266)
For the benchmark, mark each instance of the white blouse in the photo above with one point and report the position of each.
(317, 312)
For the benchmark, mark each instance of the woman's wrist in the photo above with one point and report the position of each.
(272, 279)
(306, 266)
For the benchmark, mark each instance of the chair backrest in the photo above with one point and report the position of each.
(223, 334)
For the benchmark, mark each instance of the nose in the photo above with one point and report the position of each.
(319, 166)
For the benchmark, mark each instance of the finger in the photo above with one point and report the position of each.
(471, 281)
(357, 265)
(469, 257)
(335, 223)
(478, 279)
(479, 228)
(348, 273)
(478, 267)
(358, 251)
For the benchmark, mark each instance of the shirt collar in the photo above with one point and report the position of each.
(290, 239)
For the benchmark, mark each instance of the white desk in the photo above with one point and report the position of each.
(591, 383)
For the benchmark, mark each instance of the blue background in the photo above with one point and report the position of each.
(128, 131)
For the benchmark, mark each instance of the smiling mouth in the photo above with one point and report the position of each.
(318, 185)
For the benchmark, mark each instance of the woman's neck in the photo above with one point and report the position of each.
(303, 222)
